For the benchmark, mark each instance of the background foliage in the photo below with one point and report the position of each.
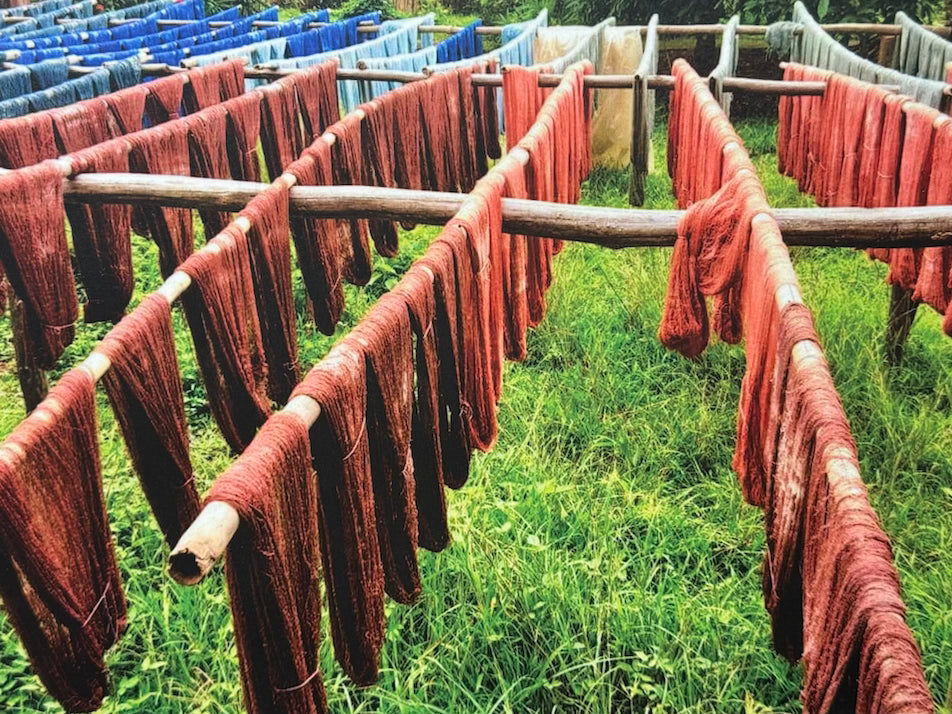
(684, 11)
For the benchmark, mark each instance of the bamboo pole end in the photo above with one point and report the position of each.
(186, 568)
(203, 543)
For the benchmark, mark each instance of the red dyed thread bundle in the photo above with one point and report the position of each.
(281, 139)
(35, 257)
(270, 252)
(244, 125)
(164, 150)
(208, 157)
(26, 140)
(469, 238)
(273, 569)
(558, 160)
(350, 549)
(316, 242)
(417, 289)
(81, 125)
(913, 185)
(58, 576)
(101, 238)
(708, 259)
(348, 168)
(213, 84)
(127, 107)
(385, 338)
(164, 101)
(145, 391)
(453, 409)
(316, 92)
(514, 262)
(934, 281)
(379, 157)
(227, 337)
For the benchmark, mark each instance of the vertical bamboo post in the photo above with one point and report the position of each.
(887, 49)
(33, 382)
(902, 311)
(639, 141)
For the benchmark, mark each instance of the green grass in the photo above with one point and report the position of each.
(603, 558)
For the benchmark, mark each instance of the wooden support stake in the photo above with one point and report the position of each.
(902, 313)
(33, 382)
(887, 47)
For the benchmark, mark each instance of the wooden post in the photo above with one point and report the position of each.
(887, 48)
(902, 312)
(33, 382)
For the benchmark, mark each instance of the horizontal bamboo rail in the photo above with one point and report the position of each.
(776, 87)
(918, 226)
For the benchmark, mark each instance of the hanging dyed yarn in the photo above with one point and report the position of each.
(350, 550)
(213, 84)
(127, 107)
(164, 150)
(316, 91)
(913, 186)
(25, 141)
(59, 581)
(348, 170)
(379, 157)
(316, 242)
(145, 391)
(708, 259)
(385, 338)
(208, 157)
(273, 568)
(453, 409)
(227, 338)
(101, 238)
(281, 140)
(417, 289)
(244, 123)
(270, 252)
(164, 101)
(35, 257)
(934, 282)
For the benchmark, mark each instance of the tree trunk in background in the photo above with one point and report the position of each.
(705, 46)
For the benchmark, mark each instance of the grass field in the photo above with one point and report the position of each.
(603, 559)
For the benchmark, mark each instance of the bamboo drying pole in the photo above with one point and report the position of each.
(917, 226)
(776, 87)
